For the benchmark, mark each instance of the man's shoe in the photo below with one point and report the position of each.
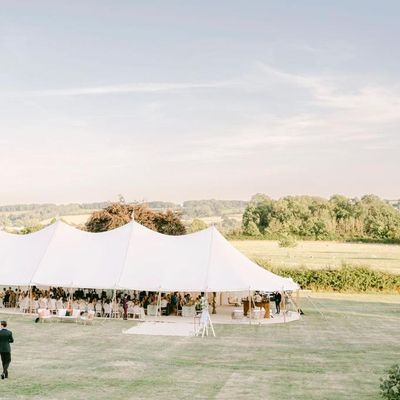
(6, 375)
(2, 376)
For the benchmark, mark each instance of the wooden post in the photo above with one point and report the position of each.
(214, 310)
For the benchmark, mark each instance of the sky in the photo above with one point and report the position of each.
(178, 100)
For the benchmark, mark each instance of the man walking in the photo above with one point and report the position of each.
(5, 349)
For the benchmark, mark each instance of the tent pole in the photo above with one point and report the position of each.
(283, 303)
(298, 301)
(250, 306)
(158, 310)
(114, 303)
(30, 308)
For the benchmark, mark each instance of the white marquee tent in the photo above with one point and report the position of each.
(131, 257)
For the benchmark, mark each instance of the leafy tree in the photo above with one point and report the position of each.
(229, 224)
(259, 212)
(111, 217)
(370, 218)
(209, 208)
(197, 225)
(381, 220)
(342, 207)
(390, 385)
(118, 214)
(249, 216)
(287, 241)
(251, 229)
(169, 223)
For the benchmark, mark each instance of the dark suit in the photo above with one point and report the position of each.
(6, 338)
(278, 299)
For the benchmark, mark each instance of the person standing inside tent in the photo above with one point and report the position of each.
(278, 299)
(203, 302)
(69, 308)
(125, 306)
(6, 338)
(174, 303)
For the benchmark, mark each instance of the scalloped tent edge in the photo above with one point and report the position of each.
(131, 257)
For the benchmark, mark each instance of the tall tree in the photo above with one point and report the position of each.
(118, 214)
(310, 217)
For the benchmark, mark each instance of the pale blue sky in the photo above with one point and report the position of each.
(176, 100)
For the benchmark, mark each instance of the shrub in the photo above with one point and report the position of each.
(344, 279)
(287, 241)
(197, 225)
(390, 385)
(251, 229)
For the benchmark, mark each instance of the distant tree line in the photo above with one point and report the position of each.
(27, 215)
(211, 208)
(294, 217)
(118, 214)
(70, 207)
(339, 218)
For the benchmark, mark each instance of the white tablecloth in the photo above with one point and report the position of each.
(188, 311)
(151, 309)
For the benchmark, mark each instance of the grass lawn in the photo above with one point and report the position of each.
(318, 254)
(338, 356)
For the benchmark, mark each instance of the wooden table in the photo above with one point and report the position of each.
(261, 304)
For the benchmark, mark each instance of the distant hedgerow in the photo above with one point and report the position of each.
(344, 279)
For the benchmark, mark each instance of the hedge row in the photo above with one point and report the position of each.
(344, 279)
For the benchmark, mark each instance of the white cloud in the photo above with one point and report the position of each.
(140, 87)
(315, 115)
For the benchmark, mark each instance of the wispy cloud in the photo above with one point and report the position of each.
(145, 87)
(375, 102)
(323, 112)
(326, 115)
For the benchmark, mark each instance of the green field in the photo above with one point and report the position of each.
(340, 355)
(319, 254)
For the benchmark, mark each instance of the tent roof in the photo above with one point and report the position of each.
(131, 257)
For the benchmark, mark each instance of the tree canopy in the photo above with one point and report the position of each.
(307, 217)
(118, 214)
(197, 225)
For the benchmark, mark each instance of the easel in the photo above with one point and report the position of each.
(205, 324)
